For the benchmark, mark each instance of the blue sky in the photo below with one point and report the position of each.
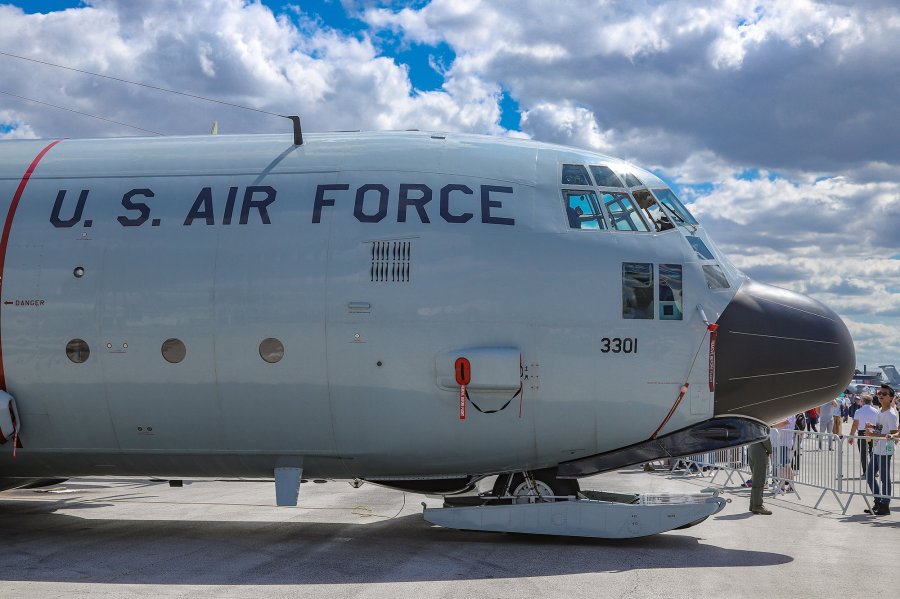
(761, 115)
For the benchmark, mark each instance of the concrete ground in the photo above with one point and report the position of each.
(102, 537)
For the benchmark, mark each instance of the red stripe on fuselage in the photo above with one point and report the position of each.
(7, 227)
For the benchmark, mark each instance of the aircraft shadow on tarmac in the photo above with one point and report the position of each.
(41, 545)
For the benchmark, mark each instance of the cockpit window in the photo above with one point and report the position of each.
(637, 290)
(668, 198)
(631, 180)
(652, 210)
(583, 210)
(622, 212)
(715, 278)
(605, 177)
(700, 248)
(575, 174)
(670, 297)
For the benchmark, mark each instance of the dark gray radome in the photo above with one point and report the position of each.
(779, 353)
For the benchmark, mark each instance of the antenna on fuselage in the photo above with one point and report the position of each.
(298, 133)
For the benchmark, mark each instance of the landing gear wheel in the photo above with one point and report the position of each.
(537, 486)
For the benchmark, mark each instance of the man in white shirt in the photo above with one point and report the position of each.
(883, 432)
(864, 416)
(826, 423)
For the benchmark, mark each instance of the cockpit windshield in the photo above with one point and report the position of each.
(646, 208)
(668, 198)
(622, 213)
(652, 210)
(663, 219)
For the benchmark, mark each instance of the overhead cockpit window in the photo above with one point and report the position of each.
(637, 290)
(623, 214)
(605, 177)
(668, 198)
(575, 174)
(670, 298)
(700, 248)
(631, 180)
(583, 210)
(652, 210)
(715, 278)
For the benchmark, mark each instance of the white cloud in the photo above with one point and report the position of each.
(232, 50)
(797, 85)
(565, 124)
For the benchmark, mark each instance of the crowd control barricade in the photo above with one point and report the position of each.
(821, 462)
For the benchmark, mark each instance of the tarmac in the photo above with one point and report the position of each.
(105, 537)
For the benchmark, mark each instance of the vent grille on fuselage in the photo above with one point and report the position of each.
(390, 261)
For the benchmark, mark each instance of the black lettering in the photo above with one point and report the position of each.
(445, 204)
(229, 205)
(260, 205)
(382, 203)
(57, 206)
(487, 203)
(321, 200)
(202, 208)
(144, 209)
(418, 203)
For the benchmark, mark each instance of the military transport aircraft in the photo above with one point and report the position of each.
(415, 309)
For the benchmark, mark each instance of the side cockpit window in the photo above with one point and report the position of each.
(671, 305)
(637, 290)
(583, 210)
(575, 174)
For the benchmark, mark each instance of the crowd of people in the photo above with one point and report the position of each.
(874, 430)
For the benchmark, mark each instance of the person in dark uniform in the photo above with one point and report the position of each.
(758, 454)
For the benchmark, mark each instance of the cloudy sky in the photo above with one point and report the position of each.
(778, 120)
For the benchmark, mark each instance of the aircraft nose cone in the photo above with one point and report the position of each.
(779, 353)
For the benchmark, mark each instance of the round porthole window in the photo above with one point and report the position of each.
(173, 350)
(271, 350)
(78, 351)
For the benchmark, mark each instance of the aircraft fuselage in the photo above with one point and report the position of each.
(226, 305)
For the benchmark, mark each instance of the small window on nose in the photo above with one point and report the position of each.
(715, 278)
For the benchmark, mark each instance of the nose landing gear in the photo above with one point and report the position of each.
(534, 487)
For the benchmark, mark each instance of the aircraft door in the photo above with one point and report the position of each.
(156, 338)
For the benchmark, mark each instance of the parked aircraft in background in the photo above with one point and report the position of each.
(890, 375)
(415, 309)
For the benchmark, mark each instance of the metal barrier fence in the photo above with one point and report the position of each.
(824, 462)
